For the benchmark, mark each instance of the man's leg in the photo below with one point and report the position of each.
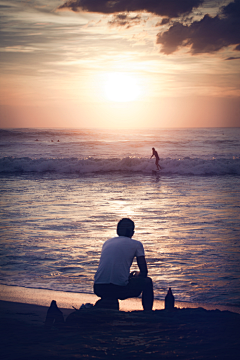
(147, 294)
(108, 297)
(135, 287)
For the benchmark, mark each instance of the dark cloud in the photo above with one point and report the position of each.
(232, 9)
(233, 58)
(170, 8)
(125, 20)
(5, 7)
(207, 35)
(163, 22)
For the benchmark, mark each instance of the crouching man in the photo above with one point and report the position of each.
(113, 279)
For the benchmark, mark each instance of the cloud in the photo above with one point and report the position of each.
(125, 20)
(208, 35)
(164, 22)
(233, 58)
(169, 8)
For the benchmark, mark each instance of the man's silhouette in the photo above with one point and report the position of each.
(155, 153)
(113, 279)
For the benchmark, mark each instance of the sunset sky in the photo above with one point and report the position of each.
(126, 63)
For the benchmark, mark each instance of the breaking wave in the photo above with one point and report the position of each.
(184, 166)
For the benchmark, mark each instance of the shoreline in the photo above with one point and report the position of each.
(71, 300)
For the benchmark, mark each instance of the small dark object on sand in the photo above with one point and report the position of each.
(169, 300)
(54, 316)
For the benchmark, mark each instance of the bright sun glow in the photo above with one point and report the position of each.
(121, 87)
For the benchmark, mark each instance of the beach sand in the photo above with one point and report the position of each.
(186, 333)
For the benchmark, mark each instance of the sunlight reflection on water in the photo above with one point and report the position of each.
(55, 228)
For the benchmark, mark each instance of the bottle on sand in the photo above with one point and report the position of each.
(169, 300)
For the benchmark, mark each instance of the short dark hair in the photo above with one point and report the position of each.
(125, 227)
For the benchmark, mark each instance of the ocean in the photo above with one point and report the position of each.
(64, 190)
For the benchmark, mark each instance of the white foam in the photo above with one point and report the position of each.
(185, 166)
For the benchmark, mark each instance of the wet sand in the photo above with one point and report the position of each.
(69, 300)
(186, 333)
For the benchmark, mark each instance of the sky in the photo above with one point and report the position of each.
(119, 63)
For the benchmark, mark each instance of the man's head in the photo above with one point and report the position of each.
(125, 227)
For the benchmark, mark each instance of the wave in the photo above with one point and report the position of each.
(184, 166)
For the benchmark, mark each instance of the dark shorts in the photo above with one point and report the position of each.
(133, 289)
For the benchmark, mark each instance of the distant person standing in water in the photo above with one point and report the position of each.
(154, 153)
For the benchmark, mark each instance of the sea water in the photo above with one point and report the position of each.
(63, 192)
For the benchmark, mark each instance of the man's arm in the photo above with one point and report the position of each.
(141, 261)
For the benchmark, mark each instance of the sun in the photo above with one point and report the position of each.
(121, 87)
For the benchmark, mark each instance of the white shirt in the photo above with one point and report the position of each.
(116, 259)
